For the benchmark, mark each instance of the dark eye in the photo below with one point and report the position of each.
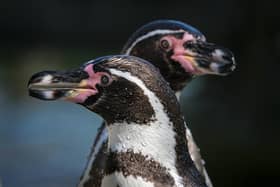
(105, 80)
(164, 44)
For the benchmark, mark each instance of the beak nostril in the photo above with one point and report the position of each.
(188, 44)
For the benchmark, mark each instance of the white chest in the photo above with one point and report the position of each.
(117, 179)
(155, 141)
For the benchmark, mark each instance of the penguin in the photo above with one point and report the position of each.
(180, 52)
(146, 131)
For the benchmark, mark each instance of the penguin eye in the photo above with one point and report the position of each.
(165, 44)
(105, 80)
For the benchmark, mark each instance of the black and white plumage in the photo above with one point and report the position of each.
(147, 144)
(180, 52)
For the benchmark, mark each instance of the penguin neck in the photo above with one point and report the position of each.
(153, 149)
(153, 138)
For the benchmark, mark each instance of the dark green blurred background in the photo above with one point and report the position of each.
(233, 119)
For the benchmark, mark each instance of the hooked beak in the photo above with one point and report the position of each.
(200, 57)
(53, 85)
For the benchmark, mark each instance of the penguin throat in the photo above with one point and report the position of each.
(155, 140)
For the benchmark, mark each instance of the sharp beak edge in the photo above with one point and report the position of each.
(51, 85)
(206, 58)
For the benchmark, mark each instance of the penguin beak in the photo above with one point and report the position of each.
(53, 85)
(200, 57)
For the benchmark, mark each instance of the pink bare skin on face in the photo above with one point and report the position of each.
(87, 87)
(181, 55)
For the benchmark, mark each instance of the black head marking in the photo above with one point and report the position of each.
(179, 51)
(123, 100)
(171, 25)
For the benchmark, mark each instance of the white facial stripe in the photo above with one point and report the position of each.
(117, 179)
(156, 140)
(97, 148)
(154, 101)
(150, 34)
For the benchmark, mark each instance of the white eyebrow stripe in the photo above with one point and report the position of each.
(150, 34)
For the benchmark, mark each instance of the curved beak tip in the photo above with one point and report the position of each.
(54, 85)
(209, 58)
(40, 86)
(224, 60)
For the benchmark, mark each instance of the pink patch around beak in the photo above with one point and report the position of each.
(185, 63)
(82, 95)
(88, 86)
(180, 55)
